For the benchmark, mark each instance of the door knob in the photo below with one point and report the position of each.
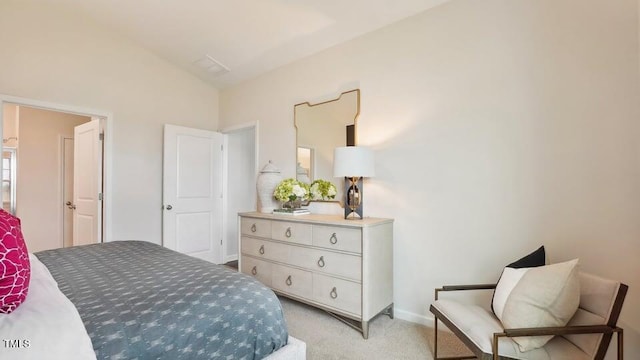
(70, 205)
(169, 207)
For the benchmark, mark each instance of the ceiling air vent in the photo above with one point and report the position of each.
(211, 66)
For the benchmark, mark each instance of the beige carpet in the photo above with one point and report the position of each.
(328, 338)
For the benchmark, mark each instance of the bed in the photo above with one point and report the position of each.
(137, 300)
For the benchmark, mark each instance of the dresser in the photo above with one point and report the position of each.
(344, 267)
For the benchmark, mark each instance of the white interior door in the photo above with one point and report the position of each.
(192, 192)
(87, 183)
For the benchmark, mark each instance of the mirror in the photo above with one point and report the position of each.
(9, 180)
(320, 128)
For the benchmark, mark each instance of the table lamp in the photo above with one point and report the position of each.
(353, 163)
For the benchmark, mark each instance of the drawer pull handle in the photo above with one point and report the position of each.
(333, 239)
(288, 281)
(253, 228)
(333, 293)
(288, 232)
(261, 250)
(321, 261)
(254, 271)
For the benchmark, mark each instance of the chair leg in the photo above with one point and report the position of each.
(620, 345)
(496, 353)
(435, 341)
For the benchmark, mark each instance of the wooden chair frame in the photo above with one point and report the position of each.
(606, 330)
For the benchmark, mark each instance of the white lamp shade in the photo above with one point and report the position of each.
(353, 161)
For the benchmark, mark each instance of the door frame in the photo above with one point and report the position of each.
(107, 163)
(225, 183)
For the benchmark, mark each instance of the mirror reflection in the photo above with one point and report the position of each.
(320, 128)
(9, 180)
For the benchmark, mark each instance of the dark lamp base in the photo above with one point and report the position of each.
(353, 195)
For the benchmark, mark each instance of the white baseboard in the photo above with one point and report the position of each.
(413, 317)
(418, 319)
(230, 258)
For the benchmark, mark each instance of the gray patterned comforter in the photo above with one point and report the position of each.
(142, 301)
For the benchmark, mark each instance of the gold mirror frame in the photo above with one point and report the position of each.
(318, 163)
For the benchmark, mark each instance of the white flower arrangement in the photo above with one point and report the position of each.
(322, 190)
(291, 190)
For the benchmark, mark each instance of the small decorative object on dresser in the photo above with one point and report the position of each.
(291, 211)
(343, 267)
(267, 180)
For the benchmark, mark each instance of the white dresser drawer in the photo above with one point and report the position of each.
(291, 232)
(340, 265)
(349, 266)
(255, 227)
(293, 281)
(337, 238)
(259, 269)
(264, 249)
(339, 294)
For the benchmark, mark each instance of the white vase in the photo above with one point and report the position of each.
(268, 179)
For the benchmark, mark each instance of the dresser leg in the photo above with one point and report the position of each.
(365, 329)
(389, 311)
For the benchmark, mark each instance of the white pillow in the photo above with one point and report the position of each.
(508, 280)
(47, 325)
(537, 297)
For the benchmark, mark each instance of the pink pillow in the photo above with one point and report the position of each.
(15, 269)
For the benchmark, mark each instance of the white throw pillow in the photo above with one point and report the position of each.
(537, 297)
(508, 280)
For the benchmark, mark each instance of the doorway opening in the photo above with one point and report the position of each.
(44, 169)
(241, 170)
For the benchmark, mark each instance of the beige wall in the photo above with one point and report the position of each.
(39, 200)
(53, 55)
(498, 125)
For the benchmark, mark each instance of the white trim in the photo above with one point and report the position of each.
(225, 196)
(230, 258)
(239, 127)
(426, 320)
(413, 317)
(108, 145)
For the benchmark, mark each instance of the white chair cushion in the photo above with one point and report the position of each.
(587, 342)
(597, 296)
(479, 325)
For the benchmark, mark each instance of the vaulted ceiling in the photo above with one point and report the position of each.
(225, 42)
